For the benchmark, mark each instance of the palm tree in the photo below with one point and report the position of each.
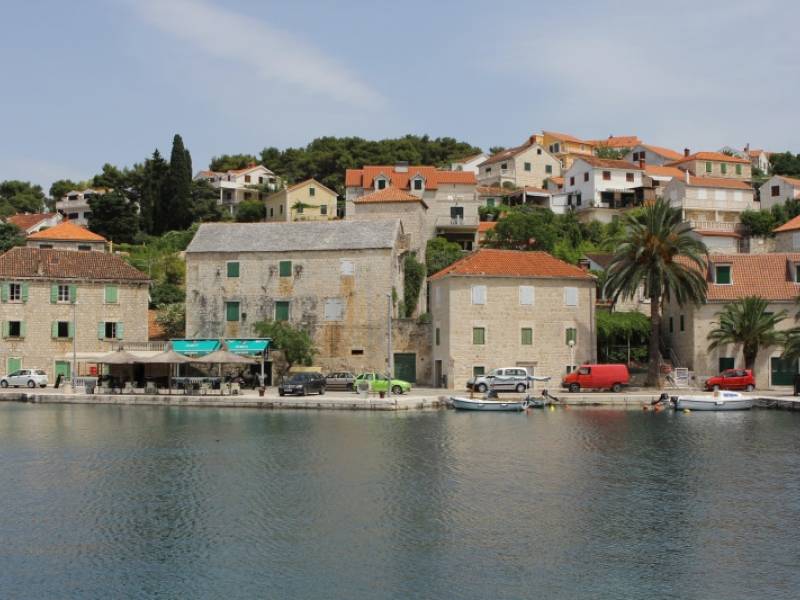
(747, 322)
(661, 255)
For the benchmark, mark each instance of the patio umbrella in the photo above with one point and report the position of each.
(119, 357)
(168, 357)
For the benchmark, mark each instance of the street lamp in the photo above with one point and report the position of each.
(389, 361)
(74, 342)
(572, 355)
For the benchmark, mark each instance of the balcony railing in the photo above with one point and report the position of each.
(717, 226)
(152, 346)
(449, 222)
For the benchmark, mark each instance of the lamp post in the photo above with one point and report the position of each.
(74, 343)
(572, 355)
(389, 358)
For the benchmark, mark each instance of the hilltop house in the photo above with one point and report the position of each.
(305, 201)
(74, 205)
(714, 164)
(773, 276)
(505, 308)
(67, 236)
(593, 183)
(777, 190)
(566, 147)
(652, 155)
(41, 291)
(237, 185)
(469, 163)
(527, 165)
(32, 222)
(787, 237)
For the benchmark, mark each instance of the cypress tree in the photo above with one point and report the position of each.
(176, 203)
(153, 183)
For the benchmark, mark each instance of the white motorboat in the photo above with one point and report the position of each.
(488, 405)
(719, 400)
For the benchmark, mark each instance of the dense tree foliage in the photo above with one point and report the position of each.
(622, 336)
(295, 345)
(166, 293)
(748, 323)
(763, 222)
(174, 211)
(114, 217)
(227, 162)
(20, 196)
(440, 253)
(172, 319)
(413, 277)
(785, 163)
(612, 153)
(60, 188)
(251, 211)
(10, 236)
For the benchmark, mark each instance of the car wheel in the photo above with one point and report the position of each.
(521, 387)
(31, 384)
(396, 389)
(715, 388)
(574, 388)
(750, 387)
(4, 383)
(616, 388)
(481, 387)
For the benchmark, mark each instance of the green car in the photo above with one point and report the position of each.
(378, 383)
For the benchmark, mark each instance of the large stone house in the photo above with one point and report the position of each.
(334, 279)
(714, 164)
(773, 276)
(505, 308)
(787, 236)
(67, 236)
(391, 203)
(254, 182)
(777, 190)
(305, 201)
(527, 165)
(49, 297)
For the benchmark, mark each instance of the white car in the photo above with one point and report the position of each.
(28, 377)
(512, 379)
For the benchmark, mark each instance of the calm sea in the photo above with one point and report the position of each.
(153, 502)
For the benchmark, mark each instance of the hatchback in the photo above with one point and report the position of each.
(28, 377)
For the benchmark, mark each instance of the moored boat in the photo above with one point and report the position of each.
(716, 401)
(487, 405)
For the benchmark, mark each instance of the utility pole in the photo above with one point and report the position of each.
(389, 357)
(74, 342)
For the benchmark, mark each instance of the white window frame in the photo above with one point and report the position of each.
(12, 297)
(63, 298)
(524, 292)
(330, 315)
(347, 267)
(478, 294)
(570, 291)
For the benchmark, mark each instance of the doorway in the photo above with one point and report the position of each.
(405, 366)
(437, 373)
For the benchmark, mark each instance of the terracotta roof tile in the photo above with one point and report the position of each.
(485, 226)
(26, 221)
(557, 180)
(66, 264)
(617, 141)
(790, 225)
(608, 163)
(154, 330)
(434, 177)
(659, 171)
(717, 182)
(661, 151)
(790, 180)
(388, 195)
(713, 156)
(564, 137)
(765, 275)
(601, 258)
(505, 154)
(488, 262)
(67, 231)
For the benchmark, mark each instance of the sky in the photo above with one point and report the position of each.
(92, 81)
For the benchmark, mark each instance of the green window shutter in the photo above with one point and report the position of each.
(527, 336)
(4, 292)
(231, 311)
(54, 329)
(281, 311)
(233, 269)
(490, 202)
(6, 328)
(438, 336)
(53, 294)
(572, 335)
(24, 287)
(311, 191)
(723, 168)
(120, 330)
(73, 293)
(22, 329)
(548, 169)
(101, 330)
(111, 294)
(738, 169)
(527, 166)
(71, 330)
(708, 167)
(285, 268)
(478, 335)
(723, 275)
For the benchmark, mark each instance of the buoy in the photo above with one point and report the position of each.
(686, 410)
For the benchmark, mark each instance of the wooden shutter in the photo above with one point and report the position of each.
(54, 294)
(73, 293)
(4, 291)
(22, 329)
(120, 330)
(111, 294)
(233, 269)
(6, 328)
(24, 291)
(526, 295)
(479, 294)
(285, 267)
(101, 330)
(54, 329)
(571, 296)
(71, 329)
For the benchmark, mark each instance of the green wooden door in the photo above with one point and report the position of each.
(726, 362)
(62, 368)
(782, 371)
(405, 367)
(14, 364)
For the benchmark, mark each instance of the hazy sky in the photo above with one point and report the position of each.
(92, 81)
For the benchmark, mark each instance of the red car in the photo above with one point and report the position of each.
(732, 379)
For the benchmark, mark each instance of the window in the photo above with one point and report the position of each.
(738, 169)
(526, 336)
(438, 336)
(63, 293)
(708, 167)
(548, 169)
(635, 156)
(312, 191)
(282, 310)
(797, 273)
(572, 180)
(381, 184)
(527, 166)
(285, 268)
(109, 330)
(334, 309)
(14, 292)
(571, 335)
(14, 329)
(722, 275)
(231, 311)
(488, 170)
(737, 196)
(72, 216)
(346, 267)
(606, 175)
(418, 184)
(479, 294)
(490, 202)
(586, 176)
(723, 168)
(504, 166)
(247, 195)
(775, 190)
(111, 294)
(526, 295)
(233, 268)
(478, 371)
(299, 208)
(556, 147)
(271, 212)
(323, 209)
(570, 296)
(701, 194)
(84, 247)
(628, 176)
(280, 209)
(247, 178)
(478, 335)
(538, 152)
(62, 329)
(682, 323)
(726, 362)
(671, 325)
(260, 180)
(357, 351)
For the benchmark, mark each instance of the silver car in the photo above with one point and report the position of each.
(511, 379)
(27, 377)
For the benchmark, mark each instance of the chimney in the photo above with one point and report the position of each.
(686, 176)
(641, 163)
(401, 166)
(747, 147)
(686, 152)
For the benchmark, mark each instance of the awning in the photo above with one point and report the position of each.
(248, 346)
(195, 347)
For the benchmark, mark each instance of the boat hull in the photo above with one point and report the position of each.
(487, 405)
(725, 401)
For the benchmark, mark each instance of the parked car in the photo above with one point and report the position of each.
(732, 379)
(597, 377)
(340, 381)
(379, 383)
(28, 377)
(507, 379)
(303, 384)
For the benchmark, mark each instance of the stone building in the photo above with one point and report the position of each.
(787, 236)
(391, 203)
(67, 236)
(334, 279)
(48, 297)
(308, 200)
(772, 276)
(505, 308)
(529, 164)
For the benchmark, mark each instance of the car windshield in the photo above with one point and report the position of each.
(40, 372)
(298, 378)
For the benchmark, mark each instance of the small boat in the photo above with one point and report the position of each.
(717, 401)
(488, 405)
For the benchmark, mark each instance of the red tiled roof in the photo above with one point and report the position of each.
(387, 195)
(505, 154)
(790, 180)
(765, 275)
(714, 156)
(66, 264)
(154, 330)
(659, 171)
(485, 226)
(717, 182)
(564, 137)
(434, 177)
(608, 163)
(790, 225)
(617, 141)
(511, 263)
(312, 180)
(661, 151)
(26, 221)
(67, 231)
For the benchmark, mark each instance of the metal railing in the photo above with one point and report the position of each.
(457, 221)
(152, 346)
